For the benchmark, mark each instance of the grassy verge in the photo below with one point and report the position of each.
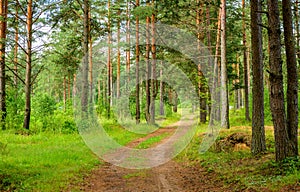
(151, 141)
(239, 170)
(42, 162)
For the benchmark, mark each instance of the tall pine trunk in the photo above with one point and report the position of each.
(109, 64)
(119, 53)
(85, 64)
(153, 69)
(3, 28)
(292, 78)
(27, 114)
(258, 131)
(276, 83)
(148, 68)
(137, 76)
(224, 92)
(245, 61)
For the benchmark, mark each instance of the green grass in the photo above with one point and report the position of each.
(152, 140)
(43, 162)
(118, 133)
(239, 170)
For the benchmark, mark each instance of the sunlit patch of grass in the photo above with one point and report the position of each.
(43, 162)
(152, 140)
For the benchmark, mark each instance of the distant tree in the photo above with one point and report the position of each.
(137, 60)
(85, 64)
(245, 61)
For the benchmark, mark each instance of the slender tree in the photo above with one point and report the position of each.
(85, 64)
(224, 90)
(148, 68)
(3, 28)
(258, 131)
(109, 64)
(118, 52)
(153, 68)
(246, 88)
(292, 78)
(137, 60)
(28, 75)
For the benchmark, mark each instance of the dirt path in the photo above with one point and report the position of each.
(172, 176)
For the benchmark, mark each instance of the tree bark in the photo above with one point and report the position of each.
(246, 88)
(109, 64)
(201, 84)
(148, 68)
(137, 76)
(153, 70)
(161, 104)
(3, 28)
(16, 49)
(276, 83)
(26, 123)
(118, 54)
(128, 41)
(85, 64)
(215, 115)
(224, 93)
(292, 78)
(90, 51)
(258, 131)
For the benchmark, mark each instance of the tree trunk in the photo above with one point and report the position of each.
(201, 83)
(258, 131)
(153, 70)
(215, 115)
(65, 92)
(276, 83)
(292, 78)
(109, 65)
(16, 49)
(224, 93)
(90, 42)
(161, 104)
(175, 107)
(246, 88)
(85, 64)
(137, 76)
(128, 40)
(26, 123)
(148, 68)
(296, 9)
(118, 54)
(3, 28)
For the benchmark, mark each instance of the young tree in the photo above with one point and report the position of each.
(85, 64)
(224, 91)
(148, 69)
(153, 68)
(109, 63)
(137, 60)
(28, 83)
(246, 88)
(258, 131)
(292, 78)
(3, 28)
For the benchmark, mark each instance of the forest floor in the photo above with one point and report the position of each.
(171, 176)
